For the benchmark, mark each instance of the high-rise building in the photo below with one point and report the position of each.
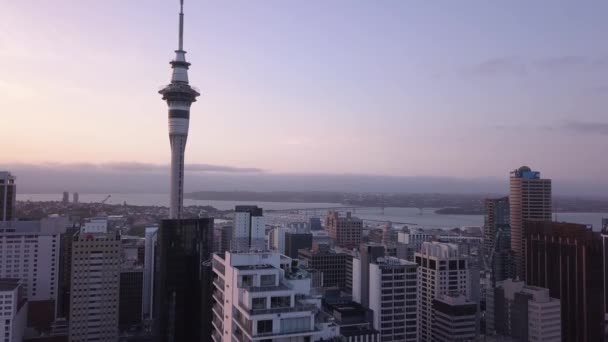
(65, 270)
(367, 254)
(526, 313)
(75, 197)
(344, 230)
(330, 263)
(30, 251)
(13, 316)
(455, 319)
(498, 258)
(277, 239)
(183, 280)
(8, 197)
(442, 270)
(94, 289)
(148, 285)
(529, 199)
(179, 96)
(496, 220)
(393, 298)
(295, 242)
(249, 229)
(315, 223)
(567, 259)
(130, 309)
(605, 259)
(258, 297)
(66, 197)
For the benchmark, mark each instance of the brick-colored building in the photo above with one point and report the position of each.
(344, 230)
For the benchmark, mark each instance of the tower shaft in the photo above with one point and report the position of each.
(179, 96)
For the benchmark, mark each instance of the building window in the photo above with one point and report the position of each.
(258, 303)
(267, 280)
(265, 326)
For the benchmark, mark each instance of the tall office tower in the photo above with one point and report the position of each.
(315, 223)
(455, 319)
(75, 197)
(13, 316)
(330, 263)
(249, 229)
(183, 280)
(65, 270)
(277, 239)
(8, 197)
(345, 231)
(566, 258)
(498, 257)
(367, 254)
(442, 269)
(295, 242)
(529, 199)
(605, 259)
(66, 197)
(526, 313)
(30, 251)
(179, 96)
(149, 258)
(94, 290)
(393, 298)
(130, 309)
(258, 298)
(496, 221)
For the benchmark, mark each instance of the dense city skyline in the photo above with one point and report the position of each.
(313, 87)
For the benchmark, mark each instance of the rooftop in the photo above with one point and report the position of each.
(9, 284)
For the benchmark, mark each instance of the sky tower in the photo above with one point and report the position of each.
(179, 96)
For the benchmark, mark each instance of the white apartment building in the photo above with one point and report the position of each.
(455, 319)
(393, 294)
(277, 243)
(441, 270)
(148, 285)
(415, 237)
(257, 300)
(543, 321)
(29, 250)
(94, 295)
(13, 310)
(249, 229)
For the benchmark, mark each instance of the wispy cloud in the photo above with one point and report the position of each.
(498, 66)
(516, 66)
(136, 167)
(580, 127)
(571, 126)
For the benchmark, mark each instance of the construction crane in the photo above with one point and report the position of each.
(105, 199)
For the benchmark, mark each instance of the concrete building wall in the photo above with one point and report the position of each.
(94, 297)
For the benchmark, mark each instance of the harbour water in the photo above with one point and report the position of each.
(427, 218)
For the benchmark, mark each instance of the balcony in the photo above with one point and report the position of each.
(287, 333)
(280, 287)
(219, 311)
(219, 297)
(218, 324)
(219, 283)
(299, 307)
(216, 337)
